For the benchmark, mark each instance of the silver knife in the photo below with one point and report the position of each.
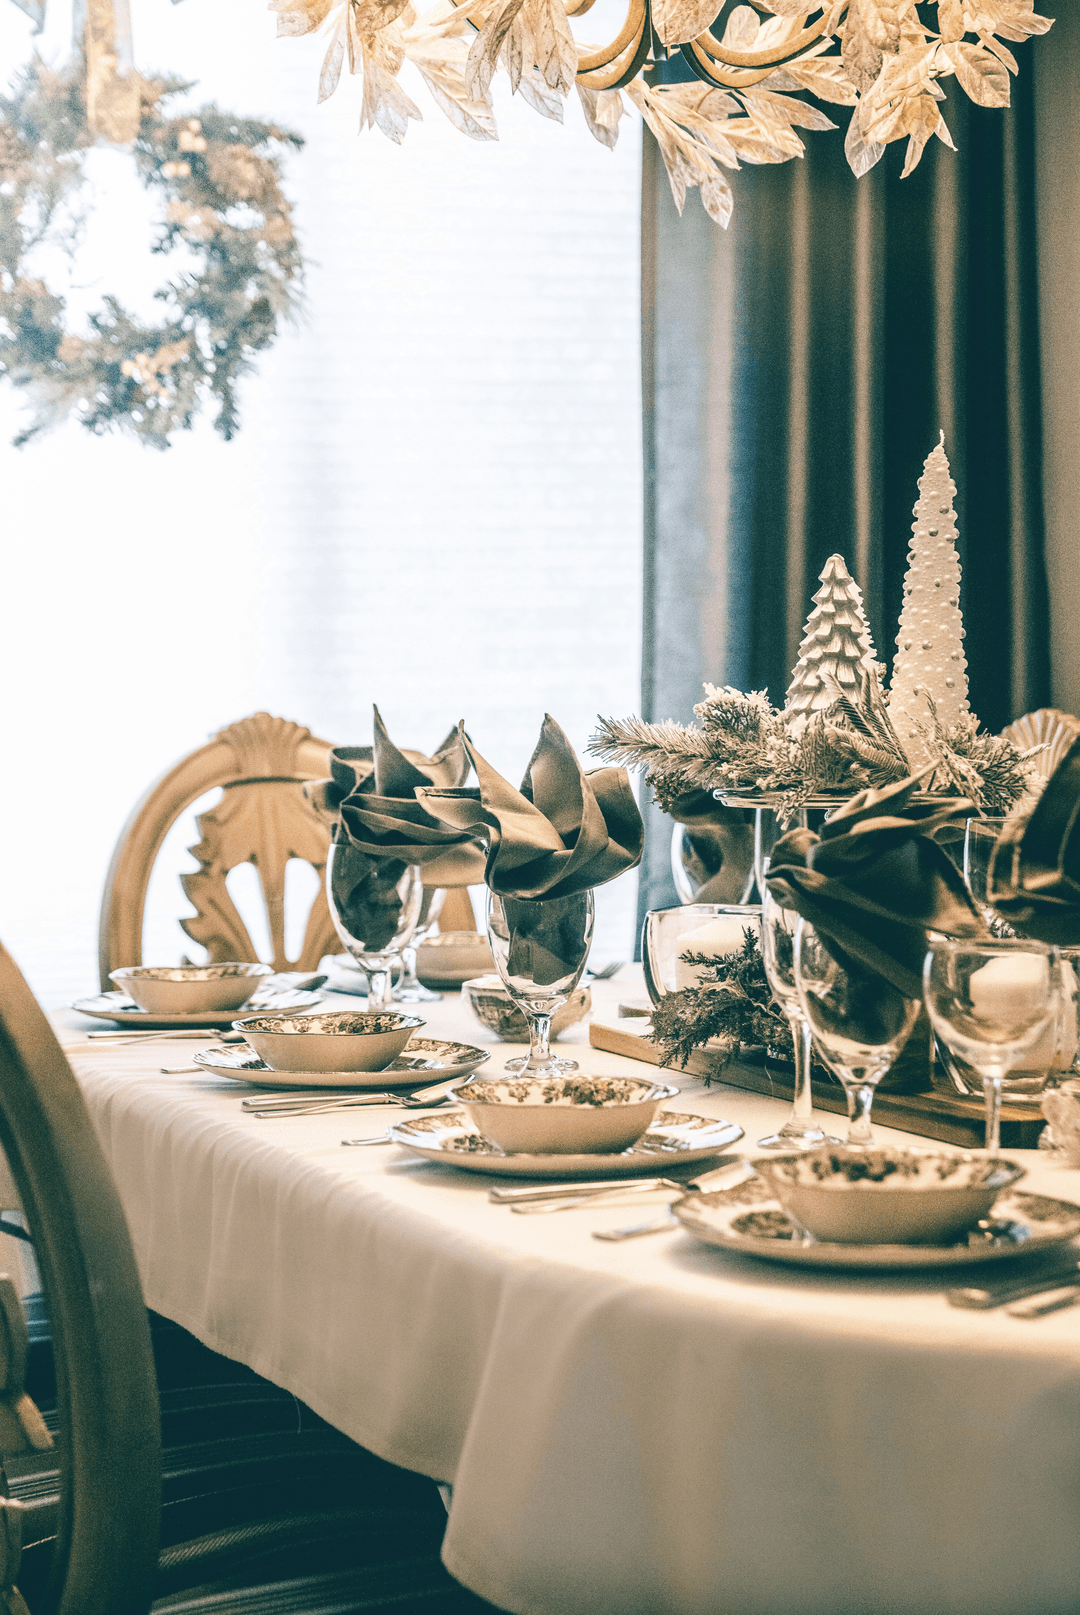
(999, 1295)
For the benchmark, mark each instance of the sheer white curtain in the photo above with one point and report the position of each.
(433, 502)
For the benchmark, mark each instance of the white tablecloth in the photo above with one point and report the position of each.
(630, 1429)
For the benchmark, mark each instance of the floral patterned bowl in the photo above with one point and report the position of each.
(337, 1040)
(190, 989)
(494, 1008)
(569, 1115)
(886, 1196)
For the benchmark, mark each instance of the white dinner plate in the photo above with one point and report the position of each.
(419, 1056)
(674, 1138)
(124, 1011)
(749, 1218)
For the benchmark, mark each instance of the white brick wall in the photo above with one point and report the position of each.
(434, 501)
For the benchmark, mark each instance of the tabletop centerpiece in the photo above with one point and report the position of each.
(841, 731)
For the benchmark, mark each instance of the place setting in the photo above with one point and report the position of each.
(197, 997)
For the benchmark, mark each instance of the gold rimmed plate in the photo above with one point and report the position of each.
(420, 1056)
(121, 1009)
(750, 1219)
(675, 1138)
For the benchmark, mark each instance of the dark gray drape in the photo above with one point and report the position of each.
(797, 370)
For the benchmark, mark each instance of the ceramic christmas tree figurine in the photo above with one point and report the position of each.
(836, 643)
(930, 661)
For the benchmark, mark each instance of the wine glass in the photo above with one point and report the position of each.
(859, 1021)
(800, 1131)
(989, 1002)
(980, 839)
(410, 989)
(540, 945)
(373, 903)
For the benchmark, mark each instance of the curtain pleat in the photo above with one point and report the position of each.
(798, 369)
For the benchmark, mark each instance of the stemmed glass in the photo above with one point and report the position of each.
(988, 1003)
(800, 1131)
(540, 946)
(373, 904)
(410, 989)
(859, 1021)
(980, 839)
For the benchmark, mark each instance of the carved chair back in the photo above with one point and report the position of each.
(263, 818)
(105, 1551)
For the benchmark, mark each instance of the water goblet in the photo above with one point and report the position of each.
(410, 989)
(989, 1002)
(859, 1021)
(373, 903)
(800, 1131)
(540, 945)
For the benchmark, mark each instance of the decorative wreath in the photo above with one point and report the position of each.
(743, 103)
(222, 190)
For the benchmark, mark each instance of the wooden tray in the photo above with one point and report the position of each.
(931, 1115)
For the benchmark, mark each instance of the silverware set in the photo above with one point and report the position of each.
(533, 1201)
(314, 1104)
(1056, 1288)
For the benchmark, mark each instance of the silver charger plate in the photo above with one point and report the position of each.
(420, 1056)
(674, 1138)
(120, 1008)
(750, 1219)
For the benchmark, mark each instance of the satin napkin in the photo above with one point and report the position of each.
(874, 882)
(564, 830)
(1035, 873)
(371, 793)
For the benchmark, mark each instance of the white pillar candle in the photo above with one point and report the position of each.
(1010, 991)
(717, 938)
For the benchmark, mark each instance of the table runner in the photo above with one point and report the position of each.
(629, 1429)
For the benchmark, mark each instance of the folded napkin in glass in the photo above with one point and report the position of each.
(564, 831)
(371, 797)
(874, 882)
(1034, 878)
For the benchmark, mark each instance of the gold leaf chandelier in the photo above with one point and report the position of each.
(743, 105)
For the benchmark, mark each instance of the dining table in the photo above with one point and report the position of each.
(652, 1426)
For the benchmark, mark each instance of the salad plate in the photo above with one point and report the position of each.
(420, 1055)
(750, 1219)
(675, 1137)
(124, 1011)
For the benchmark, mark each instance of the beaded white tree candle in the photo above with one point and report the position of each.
(930, 663)
(836, 642)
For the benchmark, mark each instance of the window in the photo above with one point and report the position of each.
(433, 501)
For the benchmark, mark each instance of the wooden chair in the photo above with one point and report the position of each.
(263, 1509)
(104, 1554)
(263, 819)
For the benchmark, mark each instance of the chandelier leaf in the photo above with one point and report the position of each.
(879, 57)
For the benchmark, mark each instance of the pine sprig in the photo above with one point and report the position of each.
(732, 1007)
(745, 744)
(988, 768)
